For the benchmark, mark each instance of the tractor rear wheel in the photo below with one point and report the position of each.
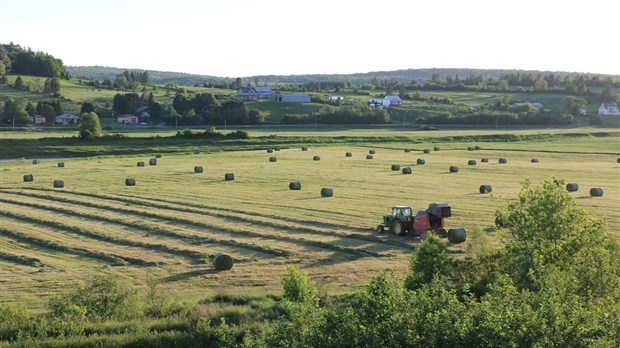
(380, 229)
(398, 227)
(442, 232)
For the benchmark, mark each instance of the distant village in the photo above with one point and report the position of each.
(264, 92)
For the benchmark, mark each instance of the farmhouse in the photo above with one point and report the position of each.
(264, 92)
(392, 100)
(39, 119)
(246, 93)
(143, 111)
(127, 119)
(67, 119)
(291, 98)
(609, 109)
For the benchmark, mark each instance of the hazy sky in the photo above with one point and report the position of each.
(238, 38)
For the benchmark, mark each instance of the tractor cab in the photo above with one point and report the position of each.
(399, 221)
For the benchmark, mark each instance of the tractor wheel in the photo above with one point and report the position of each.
(423, 235)
(398, 227)
(442, 232)
(380, 229)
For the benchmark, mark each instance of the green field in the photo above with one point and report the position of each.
(173, 220)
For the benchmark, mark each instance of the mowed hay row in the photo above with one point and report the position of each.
(279, 233)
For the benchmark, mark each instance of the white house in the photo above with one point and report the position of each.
(609, 109)
(246, 93)
(66, 119)
(39, 119)
(392, 100)
(291, 98)
(264, 92)
(127, 119)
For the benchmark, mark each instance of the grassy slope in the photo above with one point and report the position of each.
(256, 218)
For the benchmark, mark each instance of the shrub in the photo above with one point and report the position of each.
(297, 287)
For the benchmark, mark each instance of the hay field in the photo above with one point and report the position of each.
(174, 220)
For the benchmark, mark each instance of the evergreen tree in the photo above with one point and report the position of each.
(19, 83)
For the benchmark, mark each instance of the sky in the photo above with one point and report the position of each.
(241, 38)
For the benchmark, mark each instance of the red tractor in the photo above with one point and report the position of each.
(402, 220)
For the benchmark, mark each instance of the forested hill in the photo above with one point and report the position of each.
(101, 73)
(419, 75)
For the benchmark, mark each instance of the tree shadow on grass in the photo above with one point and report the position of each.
(191, 274)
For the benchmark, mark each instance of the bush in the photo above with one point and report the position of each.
(430, 259)
(103, 297)
(297, 287)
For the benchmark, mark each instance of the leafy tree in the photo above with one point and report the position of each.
(430, 259)
(545, 227)
(19, 83)
(609, 95)
(47, 110)
(87, 107)
(89, 126)
(297, 287)
(15, 111)
(575, 105)
(54, 86)
(2, 68)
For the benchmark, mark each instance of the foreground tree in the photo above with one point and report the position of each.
(15, 111)
(89, 126)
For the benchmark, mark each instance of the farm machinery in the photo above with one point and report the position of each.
(402, 221)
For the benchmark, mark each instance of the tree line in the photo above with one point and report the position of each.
(15, 59)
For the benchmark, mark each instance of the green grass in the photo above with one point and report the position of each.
(172, 216)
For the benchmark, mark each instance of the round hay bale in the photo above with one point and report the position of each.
(222, 262)
(158, 155)
(294, 185)
(327, 192)
(436, 148)
(229, 176)
(130, 182)
(316, 158)
(277, 148)
(348, 154)
(572, 187)
(454, 169)
(471, 162)
(484, 160)
(395, 167)
(534, 160)
(503, 160)
(369, 157)
(269, 150)
(35, 161)
(477, 148)
(427, 151)
(407, 150)
(618, 161)
(596, 192)
(196, 152)
(486, 189)
(140, 164)
(470, 148)
(61, 164)
(457, 235)
(28, 178)
(407, 170)
(372, 152)
(153, 162)
(499, 222)
(59, 184)
(273, 159)
(198, 169)
(304, 148)
(420, 161)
